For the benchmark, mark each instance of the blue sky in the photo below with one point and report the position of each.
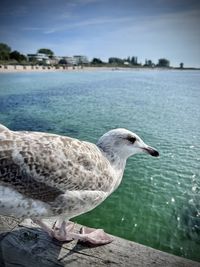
(148, 29)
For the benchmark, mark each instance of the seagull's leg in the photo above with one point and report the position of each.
(59, 230)
(44, 226)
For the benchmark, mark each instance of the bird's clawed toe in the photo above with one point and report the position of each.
(65, 232)
(95, 236)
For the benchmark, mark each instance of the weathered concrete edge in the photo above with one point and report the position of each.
(44, 252)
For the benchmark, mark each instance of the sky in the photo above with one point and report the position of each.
(147, 29)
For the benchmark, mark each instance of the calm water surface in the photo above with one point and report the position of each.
(158, 202)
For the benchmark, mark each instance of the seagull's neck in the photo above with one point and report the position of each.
(117, 163)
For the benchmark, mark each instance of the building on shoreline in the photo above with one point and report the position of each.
(163, 63)
(80, 59)
(40, 58)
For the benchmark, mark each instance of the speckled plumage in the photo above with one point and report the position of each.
(46, 175)
(57, 174)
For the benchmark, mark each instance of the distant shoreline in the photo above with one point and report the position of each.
(29, 68)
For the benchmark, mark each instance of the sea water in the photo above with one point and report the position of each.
(158, 201)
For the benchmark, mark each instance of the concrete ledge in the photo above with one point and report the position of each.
(26, 245)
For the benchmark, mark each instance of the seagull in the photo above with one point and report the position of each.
(45, 175)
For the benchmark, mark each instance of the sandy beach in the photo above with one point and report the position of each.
(29, 68)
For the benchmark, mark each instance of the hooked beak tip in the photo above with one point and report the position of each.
(151, 151)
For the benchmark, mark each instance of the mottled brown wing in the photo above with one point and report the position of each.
(44, 166)
(15, 176)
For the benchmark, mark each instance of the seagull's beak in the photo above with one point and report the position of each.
(151, 151)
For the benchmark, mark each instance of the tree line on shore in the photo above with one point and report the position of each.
(6, 54)
(15, 57)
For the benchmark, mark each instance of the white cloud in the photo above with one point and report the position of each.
(87, 22)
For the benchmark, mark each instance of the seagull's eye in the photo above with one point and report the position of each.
(131, 139)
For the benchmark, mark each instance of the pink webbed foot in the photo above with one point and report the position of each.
(94, 236)
(64, 231)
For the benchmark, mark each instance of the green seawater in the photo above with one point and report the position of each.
(158, 201)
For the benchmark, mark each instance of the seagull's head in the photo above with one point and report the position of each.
(124, 143)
